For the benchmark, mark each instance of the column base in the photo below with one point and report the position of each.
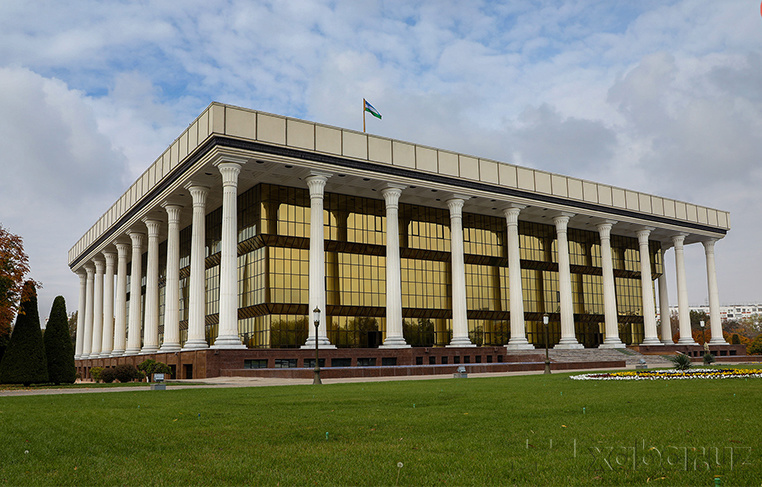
(170, 347)
(229, 342)
(717, 341)
(652, 341)
(667, 342)
(394, 342)
(148, 350)
(84, 356)
(569, 344)
(460, 343)
(105, 354)
(519, 344)
(687, 341)
(196, 344)
(117, 353)
(132, 351)
(78, 357)
(615, 343)
(323, 343)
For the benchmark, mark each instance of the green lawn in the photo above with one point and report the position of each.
(527, 430)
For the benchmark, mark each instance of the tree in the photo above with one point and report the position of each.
(24, 361)
(14, 265)
(73, 320)
(58, 348)
(755, 347)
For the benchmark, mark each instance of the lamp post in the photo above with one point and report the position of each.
(703, 336)
(545, 320)
(316, 320)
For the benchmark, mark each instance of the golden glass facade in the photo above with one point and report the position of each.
(273, 274)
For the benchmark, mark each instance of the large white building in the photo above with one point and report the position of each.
(249, 221)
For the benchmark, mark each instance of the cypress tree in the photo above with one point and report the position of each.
(58, 348)
(24, 360)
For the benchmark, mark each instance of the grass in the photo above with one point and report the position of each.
(525, 430)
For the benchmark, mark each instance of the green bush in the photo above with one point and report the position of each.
(24, 361)
(755, 347)
(735, 339)
(59, 350)
(150, 367)
(708, 358)
(681, 361)
(95, 373)
(126, 373)
(108, 375)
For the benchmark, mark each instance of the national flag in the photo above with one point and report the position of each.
(369, 108)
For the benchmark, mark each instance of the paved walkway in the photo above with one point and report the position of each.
(220, 382)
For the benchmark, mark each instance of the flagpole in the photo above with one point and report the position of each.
(363, 115)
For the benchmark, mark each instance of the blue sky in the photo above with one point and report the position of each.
(657, 96)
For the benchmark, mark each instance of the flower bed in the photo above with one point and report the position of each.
(671, 374)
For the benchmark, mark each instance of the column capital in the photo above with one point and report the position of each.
(709, 245)
(173, 213)
(229, 171)
(152, 224)
(89, 269)
(512, 214)
(604, 228)
(561, 220)
(456, 206)
(678, 239)
(109, 256)
(316, 184)
(136, 237)
(644, 233)
(100, 265)
(392, 195)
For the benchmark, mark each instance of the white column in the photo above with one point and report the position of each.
(87, 344)
(394, 336)
(107, 343)
(151, 324)
(81, 314)
(611, 317)
(518, 339)
(714, 296)
(227, 334)
(171, 341)
(649, 307)
(95, 351)
(316, 183)
(196, 289)
(568, 336)
(120, 299)
(666, 324)
(136, 275)
(683, 311)
(459, 303)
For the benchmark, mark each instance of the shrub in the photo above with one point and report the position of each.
(24, 361)
(150, 367)
(708, 358)
(735, 339)
(126, 373)
(755, 347)
(108, 375)
(58, 348)
(95, 373)
(681, 361)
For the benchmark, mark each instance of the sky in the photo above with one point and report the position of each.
(659, 96)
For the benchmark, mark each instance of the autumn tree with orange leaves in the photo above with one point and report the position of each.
(14, 265)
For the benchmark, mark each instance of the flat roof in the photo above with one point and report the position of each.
(283, 139)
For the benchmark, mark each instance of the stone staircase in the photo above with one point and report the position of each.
(631, 357)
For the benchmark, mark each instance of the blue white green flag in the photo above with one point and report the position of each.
(369, 108)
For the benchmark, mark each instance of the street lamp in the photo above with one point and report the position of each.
(316, 320)
(545, 320)
(703, 335)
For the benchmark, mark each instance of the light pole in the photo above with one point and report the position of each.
(545, 320)
(703, 336)
(316, 320)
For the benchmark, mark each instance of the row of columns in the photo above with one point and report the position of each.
(103, 336)
(105, 310)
